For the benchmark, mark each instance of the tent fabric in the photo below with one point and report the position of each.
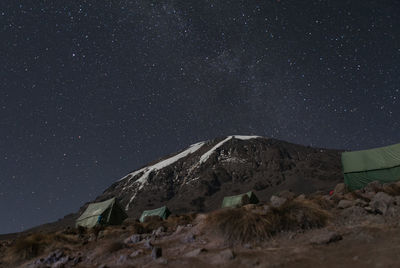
(357, 180)
(107, 212)
(162, 212)
(373, 159)
(239, 200)
(379, 164)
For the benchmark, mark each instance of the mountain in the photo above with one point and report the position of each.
(197, 178)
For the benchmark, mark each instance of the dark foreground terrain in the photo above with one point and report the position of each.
(357, 229)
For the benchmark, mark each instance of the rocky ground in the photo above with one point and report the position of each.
(341, 229)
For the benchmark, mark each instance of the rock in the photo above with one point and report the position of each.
(340, 188)
(189, 238)
(195, 252)
(156, 253)
(227, 254)
(374, 186)
(345, 204)
(387, 199)
(102, 266)
(368, 209)
(325, 237)
(393, 211)
(349, 196)
(223, 257)
(161, 260)
(133, 239)
(92, 237)
(300, 198)
(380, 202)
(76, 260)
(136, 253)
(396, 200)
(248, 246)
(122, 259)
(148, 244)
(392, 189)
(360, 203)
(378, 206)
(287, 194)
(277, 201)
(159, 231)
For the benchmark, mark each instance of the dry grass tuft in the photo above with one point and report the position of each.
(303, 215)
(239, 225)
(173, 221)
(322, 202)
(29, 246)
(109, 247)
(113, 246)
(152, 223)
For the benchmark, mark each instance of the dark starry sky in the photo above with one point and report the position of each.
(91, 90)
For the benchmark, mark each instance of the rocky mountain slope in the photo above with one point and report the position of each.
(197, 178)
(340, 229)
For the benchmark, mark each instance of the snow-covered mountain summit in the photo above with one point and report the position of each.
(197, 178)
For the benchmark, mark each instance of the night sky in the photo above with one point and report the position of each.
(91, 90)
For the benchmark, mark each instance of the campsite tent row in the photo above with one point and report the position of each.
(359, 169)
(109, 212)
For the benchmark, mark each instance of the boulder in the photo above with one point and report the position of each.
(360, 202)
(277, 201)
(289, 195)
(189, 238)
(353, 214)
(392, 189)
(325, 237)
(133, 239)
(340, 188)
(345, 204)
(148, 244)
(159, 231)
(195, 252)
(223, 257)
(136, 253)
(374, 186)
(227, 254)
(380, 202)
(300, 198)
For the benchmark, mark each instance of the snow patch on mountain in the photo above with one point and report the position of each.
(158, 166)
(207, 155)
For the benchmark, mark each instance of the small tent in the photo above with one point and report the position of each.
(162, 212)
(380, 164)
(108, 212)
(240, 200)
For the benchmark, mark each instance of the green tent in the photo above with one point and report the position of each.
(107, 212)
(240, 200)
(163, 212)
(363, 167)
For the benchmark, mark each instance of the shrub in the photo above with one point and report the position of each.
(238, 225)
(30, 246)
(172, 222)
(151, 223)
(304, 215)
